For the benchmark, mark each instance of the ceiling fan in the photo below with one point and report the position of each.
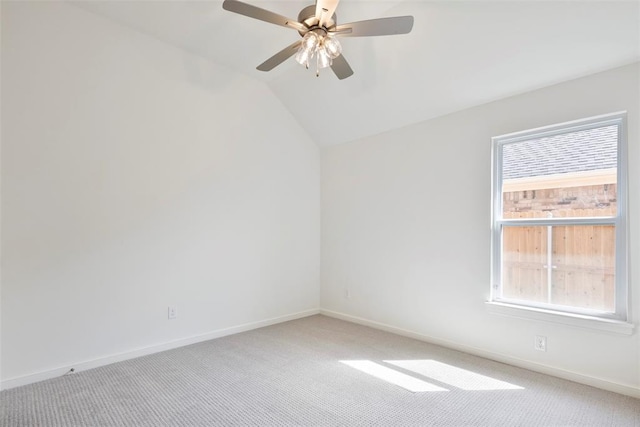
(319, 30)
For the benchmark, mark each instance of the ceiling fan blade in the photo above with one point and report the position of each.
(377, 27)
(279, 57)
(261, 14)
(325, 10)
(341, 67)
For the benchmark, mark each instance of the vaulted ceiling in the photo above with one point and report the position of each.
(459, 54)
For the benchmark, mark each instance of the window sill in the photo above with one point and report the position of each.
(588, 322)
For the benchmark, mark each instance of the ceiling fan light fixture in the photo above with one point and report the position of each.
(332, 47)
(307, 48)
(303, 56)
(310, 40)
(318, 45)
(324, 60)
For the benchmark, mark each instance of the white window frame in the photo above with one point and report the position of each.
(615, 322)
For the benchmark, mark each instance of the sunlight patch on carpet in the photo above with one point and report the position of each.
(392, 376)
(452, 375)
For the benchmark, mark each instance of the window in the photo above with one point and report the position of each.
(559, 219)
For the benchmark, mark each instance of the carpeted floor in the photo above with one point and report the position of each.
(313, 371)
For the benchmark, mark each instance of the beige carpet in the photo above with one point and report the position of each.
(313, 371)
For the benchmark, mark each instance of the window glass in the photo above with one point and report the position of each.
(559, 222)
(572, 174)
(571, 266)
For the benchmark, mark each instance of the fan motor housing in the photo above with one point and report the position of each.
(307, 17)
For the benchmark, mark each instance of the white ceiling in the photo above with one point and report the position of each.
(459, 54)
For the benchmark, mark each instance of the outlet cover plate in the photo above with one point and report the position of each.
(540, 343)
(172, 312)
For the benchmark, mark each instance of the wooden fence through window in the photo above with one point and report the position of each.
(571, 265)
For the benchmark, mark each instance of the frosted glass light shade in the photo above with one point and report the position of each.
(307, 49)
(324, 60)
(303, 55)
(332, 47)
(310, 40)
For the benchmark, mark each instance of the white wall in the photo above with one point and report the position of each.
(406, 229)
(137, 176)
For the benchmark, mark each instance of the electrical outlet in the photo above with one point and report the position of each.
(540, 343)
(172, 312)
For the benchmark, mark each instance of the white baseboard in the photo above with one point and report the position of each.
(143, 351)
(521, 363)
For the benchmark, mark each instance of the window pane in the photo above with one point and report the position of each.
(569, 175)
(571, 265)
(584, 267)
(525, 254)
